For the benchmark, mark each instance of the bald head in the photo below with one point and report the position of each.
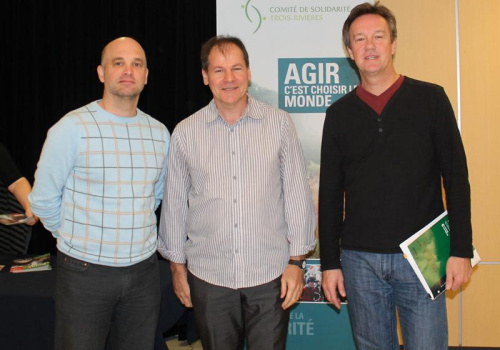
(121, 44)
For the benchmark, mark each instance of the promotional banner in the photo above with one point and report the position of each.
(299, 64)
(297, 60)
(315, 324)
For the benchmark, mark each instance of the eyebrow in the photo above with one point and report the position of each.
(136, 59)
(233, 66)
(376, 32)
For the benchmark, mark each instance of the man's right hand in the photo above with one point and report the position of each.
(331, 281)
(181, 286)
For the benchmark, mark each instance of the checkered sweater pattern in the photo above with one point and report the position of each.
(99, 180)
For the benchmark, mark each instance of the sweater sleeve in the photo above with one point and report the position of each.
(56, 162)
(331, 197)
(453, 166)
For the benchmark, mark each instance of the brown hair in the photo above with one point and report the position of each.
(367, 9)
(221, 42)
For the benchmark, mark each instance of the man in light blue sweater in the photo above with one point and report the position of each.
(99, 180)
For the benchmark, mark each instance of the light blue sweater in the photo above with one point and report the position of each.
(99, 180)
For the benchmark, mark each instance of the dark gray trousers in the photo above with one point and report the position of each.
(229, 318)
(93, 301)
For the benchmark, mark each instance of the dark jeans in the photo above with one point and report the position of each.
(93, 301)
(226, 317)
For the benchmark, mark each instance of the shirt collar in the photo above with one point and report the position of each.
(251, 111)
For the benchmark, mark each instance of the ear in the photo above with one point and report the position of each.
(205, 76)
(100, 73)
(147, 74)
(394, 46)
(349, 51)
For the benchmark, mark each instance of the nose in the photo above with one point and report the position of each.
(127, 69)
(229, 76)
(369, 43)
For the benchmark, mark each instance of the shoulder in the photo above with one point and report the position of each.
(420, 84)
(80, 115)
(197, 120)
(73, 120)
(262, 106)
(343, 109)
(275, 117)
(345, 102)
(421, 87)
(424, 98)
(263, 109)
(153, 122)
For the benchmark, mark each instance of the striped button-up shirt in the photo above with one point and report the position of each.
(237, 203)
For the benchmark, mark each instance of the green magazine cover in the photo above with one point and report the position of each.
(428, 251)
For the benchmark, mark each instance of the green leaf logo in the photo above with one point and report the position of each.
(251, 12)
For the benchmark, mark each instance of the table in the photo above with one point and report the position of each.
(27, 315)
(27, 307)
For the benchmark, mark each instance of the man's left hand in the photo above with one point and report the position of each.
(291, 285)
(458, 272)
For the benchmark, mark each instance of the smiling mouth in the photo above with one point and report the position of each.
(371, 57)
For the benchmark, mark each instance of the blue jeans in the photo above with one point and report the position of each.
(377, 284)
(93, 301)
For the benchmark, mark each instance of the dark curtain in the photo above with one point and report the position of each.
(50, 52)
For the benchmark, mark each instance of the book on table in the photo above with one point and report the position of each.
(33, 264)
(428, 251)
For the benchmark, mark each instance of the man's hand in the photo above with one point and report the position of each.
(181, 286)
(331, 281)
(291, 285)
(32, 219)
(458, 272)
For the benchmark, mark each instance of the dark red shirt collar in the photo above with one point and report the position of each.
(378, 103)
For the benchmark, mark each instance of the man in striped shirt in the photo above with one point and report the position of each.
(99, 180)
(238, 216)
